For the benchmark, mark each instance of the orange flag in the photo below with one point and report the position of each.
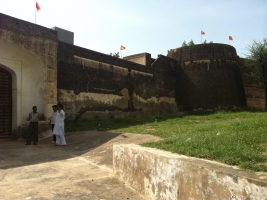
(37, 6)
(230, 38)
(202, 33)
(122, 47)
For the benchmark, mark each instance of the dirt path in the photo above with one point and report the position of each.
(80, 170)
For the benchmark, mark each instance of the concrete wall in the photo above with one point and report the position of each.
(159, 175)
(93, 84)
(142, 58)
(64, 35)
(28, 52)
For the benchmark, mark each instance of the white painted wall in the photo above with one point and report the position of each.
(28, 81)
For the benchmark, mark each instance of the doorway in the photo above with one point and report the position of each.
(5, 103)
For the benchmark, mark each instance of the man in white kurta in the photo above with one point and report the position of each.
(59, 127)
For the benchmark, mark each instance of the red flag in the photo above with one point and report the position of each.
(37, 6)
(230, 38)
(122, 47)
(202, 33)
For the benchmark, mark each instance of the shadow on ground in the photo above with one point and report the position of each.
(14, 153)
(94, 146)
(80, 170)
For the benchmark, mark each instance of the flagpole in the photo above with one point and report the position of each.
(201, 38)
(120, 52)
(35, 17)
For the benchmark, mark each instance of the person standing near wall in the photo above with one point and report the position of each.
(33, 127)
(52, 121)
(59, 127)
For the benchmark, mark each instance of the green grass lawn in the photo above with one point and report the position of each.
(235, 138)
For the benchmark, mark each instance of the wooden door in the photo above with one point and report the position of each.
(5, 103)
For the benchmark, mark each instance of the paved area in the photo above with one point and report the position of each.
(80, 170)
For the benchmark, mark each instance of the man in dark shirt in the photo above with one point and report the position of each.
(33, 127)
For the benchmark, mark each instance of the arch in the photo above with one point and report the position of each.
(5, 103)
(14, 95)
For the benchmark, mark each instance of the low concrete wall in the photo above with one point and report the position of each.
(158, 174)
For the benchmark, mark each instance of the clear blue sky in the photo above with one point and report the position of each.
(152, 26)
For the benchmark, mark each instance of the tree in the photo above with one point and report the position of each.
(256, 62)
(117, 55)
(191, 43)
(184, 44)
(211, 42)
(205, 42)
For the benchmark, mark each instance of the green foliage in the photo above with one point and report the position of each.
(256, 62)
(117, 55)
(234, 138)
(205, 42)
(211, 42)
(191, 43)
(184, 44)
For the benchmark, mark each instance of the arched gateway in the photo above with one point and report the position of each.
(5, 103)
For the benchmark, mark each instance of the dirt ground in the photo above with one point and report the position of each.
(80, 170)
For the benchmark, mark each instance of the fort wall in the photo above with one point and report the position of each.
(93, 84)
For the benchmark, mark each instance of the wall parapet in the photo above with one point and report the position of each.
(213, 51)
(158, 174)
(26, 28)
(67, 51)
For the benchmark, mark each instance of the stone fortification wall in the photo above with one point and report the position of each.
(211, 85)
(208, 77)
(93, 84)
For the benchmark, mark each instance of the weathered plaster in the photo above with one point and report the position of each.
(158, 174)
(89, 105)
(28, 51)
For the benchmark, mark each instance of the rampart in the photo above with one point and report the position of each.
(93, 84)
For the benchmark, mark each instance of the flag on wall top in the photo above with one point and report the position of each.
(202, 33)
(37, 6)
(230, 38)
(122, 47)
